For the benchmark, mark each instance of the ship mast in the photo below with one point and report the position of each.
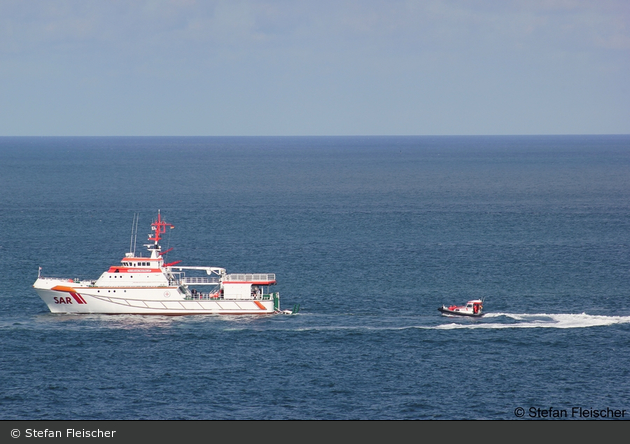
(159, 228)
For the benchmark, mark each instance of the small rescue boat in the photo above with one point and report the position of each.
(472, 308)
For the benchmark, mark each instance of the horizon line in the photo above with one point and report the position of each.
(321, 135)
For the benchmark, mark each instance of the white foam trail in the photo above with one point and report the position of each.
(544, 320)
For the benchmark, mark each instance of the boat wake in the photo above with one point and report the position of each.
(319, 322)
(540, 320)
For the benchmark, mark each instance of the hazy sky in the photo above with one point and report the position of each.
(276, 67)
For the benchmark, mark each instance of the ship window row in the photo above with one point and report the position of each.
(136, 264)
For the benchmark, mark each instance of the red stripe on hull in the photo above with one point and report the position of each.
(77, 297)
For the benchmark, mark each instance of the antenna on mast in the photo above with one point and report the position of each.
(134, 234)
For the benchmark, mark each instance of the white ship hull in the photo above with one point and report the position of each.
(148, 301)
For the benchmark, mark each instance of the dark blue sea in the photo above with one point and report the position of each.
(369, 235)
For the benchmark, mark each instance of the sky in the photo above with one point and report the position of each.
(302, 67)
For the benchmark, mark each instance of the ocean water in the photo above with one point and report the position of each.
(369, 235)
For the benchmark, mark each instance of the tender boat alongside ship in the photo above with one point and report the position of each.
(472, 308)
(147, 285)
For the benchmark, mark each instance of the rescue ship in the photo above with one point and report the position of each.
(147, 285)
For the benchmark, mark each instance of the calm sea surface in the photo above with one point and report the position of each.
(369, 235)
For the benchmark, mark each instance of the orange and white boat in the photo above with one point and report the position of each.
(147, 285)
(472, 308)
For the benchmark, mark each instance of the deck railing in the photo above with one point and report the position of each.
(235, 277)
(190, 280)
(259, 277)
(217, 296)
